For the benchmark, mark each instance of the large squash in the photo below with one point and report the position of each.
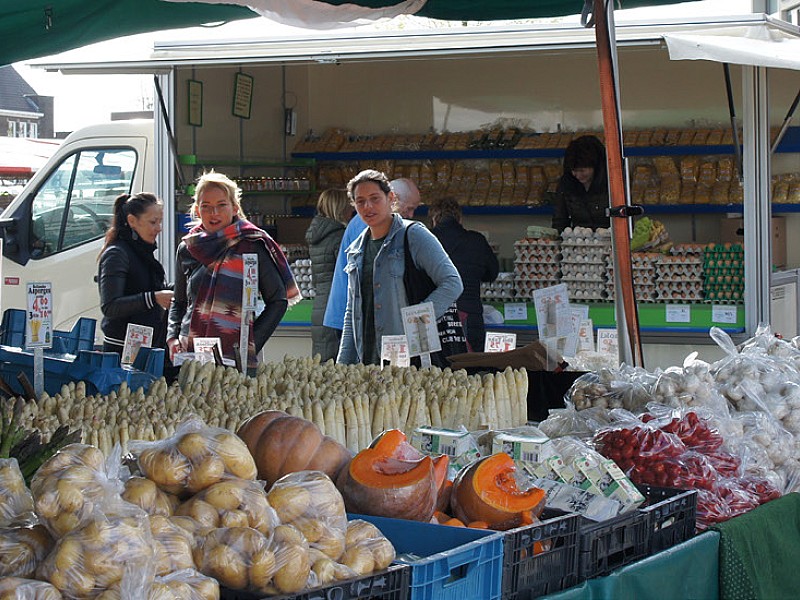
(281, 444)
(487, 491)
(392, 479)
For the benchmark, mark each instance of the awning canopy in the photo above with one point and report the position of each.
(770, 44)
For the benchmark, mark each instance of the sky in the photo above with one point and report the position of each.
(84, 99)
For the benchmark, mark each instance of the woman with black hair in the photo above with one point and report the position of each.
(130, 279)
(581, 199)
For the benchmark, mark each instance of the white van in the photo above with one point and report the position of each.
(53, 230)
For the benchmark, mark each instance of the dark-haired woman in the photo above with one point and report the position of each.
(131, 280)
(581, 198)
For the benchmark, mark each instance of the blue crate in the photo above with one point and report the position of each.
(80, 337)
(454, 563)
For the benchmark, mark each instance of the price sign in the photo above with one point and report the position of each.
(724, 314)
(250, 281)
(39, 326)
(394, 350)
(586, 336)
(553, 317)
(204, 348)
(419, 324)
(607, 342)
(515, 311)
(136, 336)
(679, 313)
(499, 342)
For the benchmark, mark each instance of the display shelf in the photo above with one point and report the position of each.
(194, 160)
(279, 193)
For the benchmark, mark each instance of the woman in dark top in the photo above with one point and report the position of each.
(474, 259)
(209, 274)
(324, 236)
(130, 279)
(581, 198)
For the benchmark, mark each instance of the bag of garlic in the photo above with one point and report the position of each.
(765, 340)
(691, 385)
(196, 457)
(577, 423)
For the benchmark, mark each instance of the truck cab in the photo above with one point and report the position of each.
(54, 229)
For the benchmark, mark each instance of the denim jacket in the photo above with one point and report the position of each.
(388, 290)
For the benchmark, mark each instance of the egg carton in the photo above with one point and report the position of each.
(687, 249)
(677, 297)
(580, 269)
(537, 271)
(646, 293)
(572, 233)
(644, 259)
(588, 295)
(729, 281)
(537, 258)
(723, 295)
(525, 289)
(498, 295)
(539, 242)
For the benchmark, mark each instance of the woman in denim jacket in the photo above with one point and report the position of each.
(375, 266)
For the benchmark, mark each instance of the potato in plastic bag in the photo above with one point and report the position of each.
(145, 494)
(16, 502)
(22, 549)
(310, 501)
(172, 546)
(196, 457)
(363, 534)
(186, 584)
(91, 559)
(72, 484)
(17, 588)
(232, 503)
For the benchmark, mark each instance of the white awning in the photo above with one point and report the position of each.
(770, 44)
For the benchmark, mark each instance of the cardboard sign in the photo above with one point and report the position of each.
(136, 336)
(39, 324)
(499, 342)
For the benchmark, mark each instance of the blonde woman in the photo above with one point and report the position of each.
(210, 271)
(324, 236)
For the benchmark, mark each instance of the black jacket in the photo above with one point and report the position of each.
(128, 277)
(324, 236)
(574, 206)
(474, 259)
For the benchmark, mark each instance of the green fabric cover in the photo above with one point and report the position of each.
(688, 571)
(759, 554)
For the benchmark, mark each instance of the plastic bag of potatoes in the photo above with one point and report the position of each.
(22, 549)
(16, 502)
(310, 501)
(146, 495)
(242, 558)
(73, 484)
(172, 546)
(93, 558)
(186, 584)
(232, 503)
(196, 457)
(17, 588)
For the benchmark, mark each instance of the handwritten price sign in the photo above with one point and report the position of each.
(394, 350)
(39, 326)
(607, 342)
(500, 342)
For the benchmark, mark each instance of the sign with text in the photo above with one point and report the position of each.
(499, 342)
(136, 336)
(204, 348)
(607, 342)
(678, 313)
(586, 336)
(553, 315)
(724, 314)
(419, 324)
(515, 311)
(394, 350)
(39, 324)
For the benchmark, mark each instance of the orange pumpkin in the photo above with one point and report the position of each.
(392, 479)
(487, 491)
(281, 444)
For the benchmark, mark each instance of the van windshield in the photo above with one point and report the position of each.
(75, 203)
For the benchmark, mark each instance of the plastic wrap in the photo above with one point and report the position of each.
(172, 546)
(637, 446)
(692, 385)
(73, 484)
(196, 457)
(95, 557)
(16, 501)
(571, 499)
(22, 549)
(232, 503)
(576, 423)
(610, 388)
(693, 428)
(309, 501)
(186, 584)
(16, 588)
(766, 449)
(145, 494)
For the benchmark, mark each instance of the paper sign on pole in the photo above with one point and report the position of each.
(39, 324)
(394, 350)
(136, 336)
(553, 316)
(586, 336)
(607, 342)
(499, 342)
(204, 348)
(419, 324)
(249, 298)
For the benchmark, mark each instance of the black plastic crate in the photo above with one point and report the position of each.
(389, 584)
(607, 545)
(671, 516)
(527, 574)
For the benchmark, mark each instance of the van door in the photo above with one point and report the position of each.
(54, 231)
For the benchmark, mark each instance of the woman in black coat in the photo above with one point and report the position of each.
(130, 279)
(581, 198)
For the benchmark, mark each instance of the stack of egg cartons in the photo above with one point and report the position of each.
(680, 274)
(724, 272)
(499, 290)
(585, 262)
(536, 265)
(302, 274)
(643, 265)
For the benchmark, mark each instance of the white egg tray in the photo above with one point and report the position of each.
(537, 270)
(578, 270)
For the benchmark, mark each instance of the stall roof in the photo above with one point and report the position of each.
(318, 48)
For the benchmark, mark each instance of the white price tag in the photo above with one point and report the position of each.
(586, 336)
(553, 315)
(515, 311)
(723, 314)
(39, 324)
(250, 281)
(136, 336)
(679, 313)
(499, 342)
(394, 350)
(419, 324)
(607, 342)
(204, 348)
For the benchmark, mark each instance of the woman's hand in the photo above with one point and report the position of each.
(164, 298)
(176, 345)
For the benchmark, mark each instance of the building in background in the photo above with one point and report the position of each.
(23, 112)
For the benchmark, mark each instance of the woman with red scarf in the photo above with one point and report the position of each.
(209, 274)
